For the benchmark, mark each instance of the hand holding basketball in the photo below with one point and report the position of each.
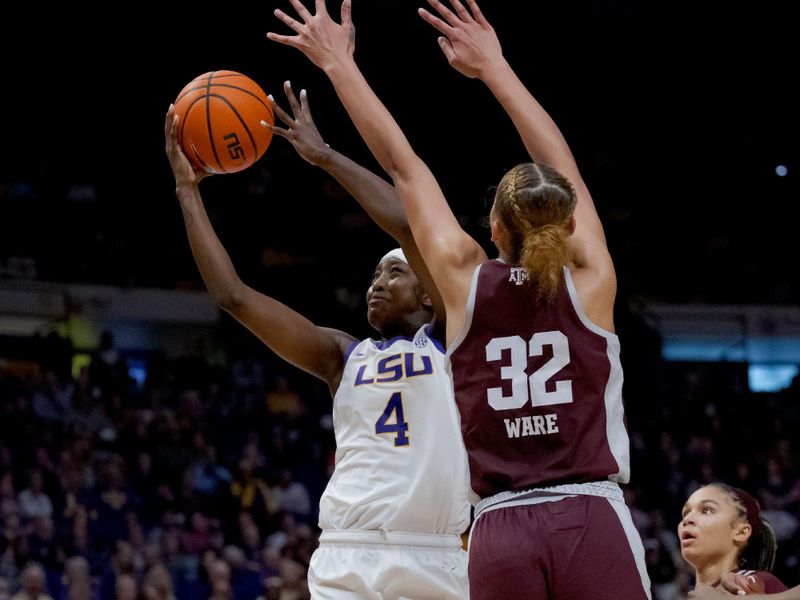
(219, 121)
(182, 169)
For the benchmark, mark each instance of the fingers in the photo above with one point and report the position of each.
(288, 40)
(293, 103)
(302, 11)
(170, 116)
(305, 107)
(280, 113)
(171, 129)
(435, 22)
(445, 12)
(284, 133)
(462, 12)
(347, 14)
(476, 12)
(293, 23)
(447, 48)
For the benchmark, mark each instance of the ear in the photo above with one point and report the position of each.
(424, 299)
(493, 226)
(499, 232)
(742, 532)
(572, 223)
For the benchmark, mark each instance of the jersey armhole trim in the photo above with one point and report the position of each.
(576, 305)
(468, 314)
(349, 351)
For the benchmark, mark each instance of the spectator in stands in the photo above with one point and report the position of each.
(33, 584)
(292, 496)
(33, 501)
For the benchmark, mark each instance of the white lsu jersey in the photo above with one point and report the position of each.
(400, 458)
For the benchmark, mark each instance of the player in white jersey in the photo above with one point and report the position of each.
(394, 510)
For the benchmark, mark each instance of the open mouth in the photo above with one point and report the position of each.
(687, 538)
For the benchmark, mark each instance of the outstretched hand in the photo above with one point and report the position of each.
(468, 41)
(182, 169)
(300, 130)
(323, 41)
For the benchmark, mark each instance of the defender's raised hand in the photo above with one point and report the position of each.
(300, 129)
(468, 40)
(323, 41)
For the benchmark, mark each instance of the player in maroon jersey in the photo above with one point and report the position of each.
(722, 532)
(534, 359)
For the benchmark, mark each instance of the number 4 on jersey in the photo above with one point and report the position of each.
(399, 427)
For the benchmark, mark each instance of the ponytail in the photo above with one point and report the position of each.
(543, 254)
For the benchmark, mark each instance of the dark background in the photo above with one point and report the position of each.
(678, 114)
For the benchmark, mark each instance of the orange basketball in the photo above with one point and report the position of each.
(219, 127)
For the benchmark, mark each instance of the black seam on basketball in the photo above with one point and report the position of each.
(210, 75)
(242, 121)
(208, 123)
(248, 92)
(182, 122)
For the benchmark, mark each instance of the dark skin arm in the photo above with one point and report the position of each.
(317, 350)
(375, 195)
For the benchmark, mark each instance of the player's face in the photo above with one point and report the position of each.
(393, 292)
(711, 528)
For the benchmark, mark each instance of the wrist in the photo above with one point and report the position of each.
(186, 189)
(339, 66)
(495, 71)
(324, 157)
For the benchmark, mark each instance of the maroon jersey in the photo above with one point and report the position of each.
(538, 386)
(772, 585)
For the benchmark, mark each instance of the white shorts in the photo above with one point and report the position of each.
(368, 565)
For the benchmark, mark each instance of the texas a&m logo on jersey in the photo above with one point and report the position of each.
(518, 275)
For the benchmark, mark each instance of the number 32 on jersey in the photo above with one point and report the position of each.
(523, 386)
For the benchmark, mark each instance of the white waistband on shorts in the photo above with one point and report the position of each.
(395, 538)
(604, 489)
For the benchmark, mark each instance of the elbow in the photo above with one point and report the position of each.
(229, 300)
(402, 168)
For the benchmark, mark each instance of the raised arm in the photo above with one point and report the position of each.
(375, 195)
(317, 350)
(449, 252)
(471, 46)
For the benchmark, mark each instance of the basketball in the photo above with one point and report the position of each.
(219, 127)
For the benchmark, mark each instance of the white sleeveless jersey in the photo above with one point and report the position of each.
(400, 459)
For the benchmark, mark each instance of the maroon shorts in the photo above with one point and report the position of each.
(578, 548)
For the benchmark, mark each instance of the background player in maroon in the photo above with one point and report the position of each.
(721, 532)
(534, 358)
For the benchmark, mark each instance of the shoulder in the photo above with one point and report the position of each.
(772, 585)
(763, 580)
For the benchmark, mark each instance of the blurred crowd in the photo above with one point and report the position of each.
(197, 485)
(203, 483)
